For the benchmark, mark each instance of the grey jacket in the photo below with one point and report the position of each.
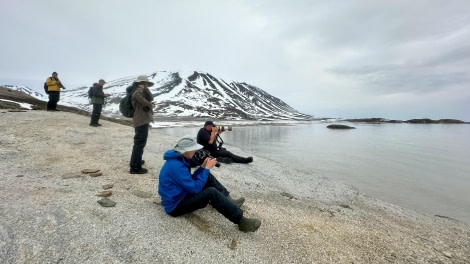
(142, 103)
(98, 95)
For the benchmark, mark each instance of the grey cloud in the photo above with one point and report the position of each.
(458, 55)
(389, 79)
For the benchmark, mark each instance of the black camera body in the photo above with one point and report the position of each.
(200, 156)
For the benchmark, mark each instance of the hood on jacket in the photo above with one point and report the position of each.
(172, 154)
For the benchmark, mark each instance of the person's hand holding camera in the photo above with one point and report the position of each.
(209, 163)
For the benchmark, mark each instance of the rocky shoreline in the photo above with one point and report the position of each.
(56, 169)
(410, 121)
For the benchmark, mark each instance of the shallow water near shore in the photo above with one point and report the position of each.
(420, 167)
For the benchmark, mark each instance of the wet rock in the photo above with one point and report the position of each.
(142, 194)
(157, 200)
(104, 193)
(106, 202)
(87, 171)
(95, 174)
(336, 126)
(108, 186)
(288, 195)
(447, 254)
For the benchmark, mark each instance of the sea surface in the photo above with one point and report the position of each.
(424, 167)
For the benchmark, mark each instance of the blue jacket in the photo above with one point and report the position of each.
(175, 180)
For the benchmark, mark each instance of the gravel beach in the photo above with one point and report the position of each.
(49, 210)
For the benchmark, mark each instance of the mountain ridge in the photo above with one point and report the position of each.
(198, 94)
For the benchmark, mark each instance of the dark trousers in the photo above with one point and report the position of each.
(140, 140)
(95, 115)
(213, 193)
(224, 153)
(97, 109)
(54, 97)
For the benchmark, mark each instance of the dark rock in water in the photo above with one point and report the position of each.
(375, 120)
(336, 126)
(430, 121)
(106, 202)
(422, 121)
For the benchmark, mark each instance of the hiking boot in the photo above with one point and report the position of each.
(138, 170)
(249, 160)
(238, 202)
(224, 160)
(249, 224)
(94, 125)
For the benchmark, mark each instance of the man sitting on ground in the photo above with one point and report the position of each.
(183, 192)
(207, 136)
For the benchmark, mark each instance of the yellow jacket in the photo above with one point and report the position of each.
(53, 85)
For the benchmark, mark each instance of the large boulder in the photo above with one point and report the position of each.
(337, 126)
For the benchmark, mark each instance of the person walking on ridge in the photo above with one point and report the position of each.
(53, 90)
(97, 100)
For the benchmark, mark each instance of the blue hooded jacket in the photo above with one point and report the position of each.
(175, 180)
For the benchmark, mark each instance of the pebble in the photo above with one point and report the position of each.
(106, 202)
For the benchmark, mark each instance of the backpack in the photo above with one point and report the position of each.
(90, 92)
(125, 105)
(46, 88)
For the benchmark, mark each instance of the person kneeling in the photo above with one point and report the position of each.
(182, 192)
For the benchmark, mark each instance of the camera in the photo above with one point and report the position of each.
(200, 156)
(222, 128)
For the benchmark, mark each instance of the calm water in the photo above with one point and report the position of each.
(421, 167)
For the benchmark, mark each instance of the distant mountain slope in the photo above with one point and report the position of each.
(196, 94)
(26, 90)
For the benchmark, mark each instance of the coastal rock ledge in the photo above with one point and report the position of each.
(49, 210)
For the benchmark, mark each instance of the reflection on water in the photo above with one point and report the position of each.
(421, 167)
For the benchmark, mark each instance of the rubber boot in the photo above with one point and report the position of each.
(238, 202)
(93, 121)
(249, 160)
(139, 170)
(249, 224)
(98, 119)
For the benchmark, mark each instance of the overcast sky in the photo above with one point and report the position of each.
(331, 58)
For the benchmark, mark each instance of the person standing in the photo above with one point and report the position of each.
(182, 192)
(53, 89)
(207, 136)
(97, 100)
(142, 104)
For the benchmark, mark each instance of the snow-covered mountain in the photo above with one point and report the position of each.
(26, 90)
(193, 94)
